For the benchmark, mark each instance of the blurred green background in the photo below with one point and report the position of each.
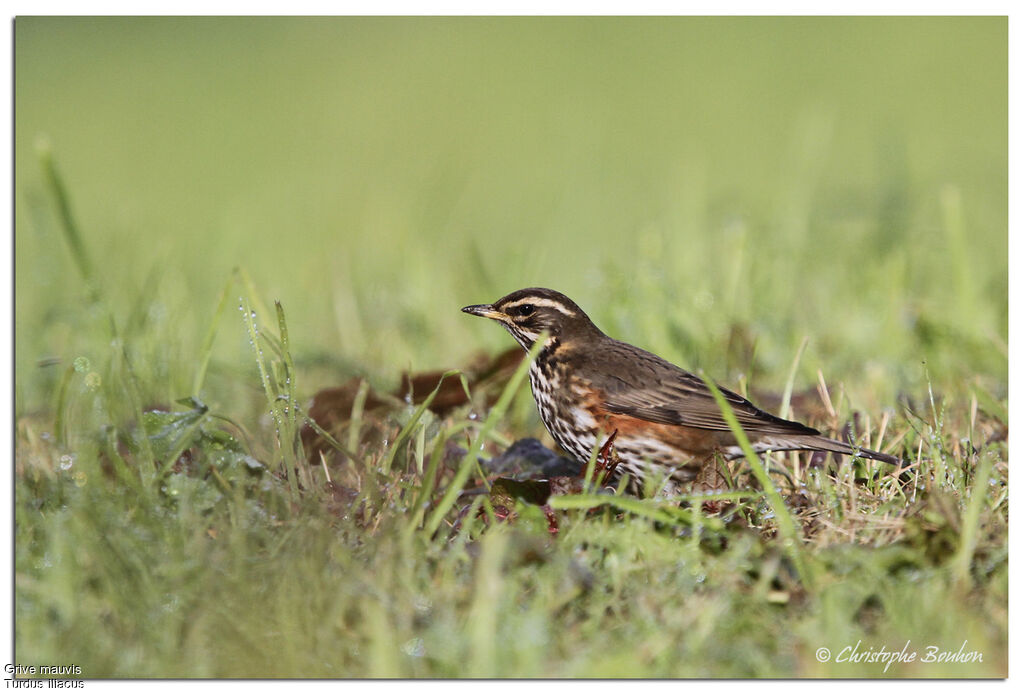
(693, 183)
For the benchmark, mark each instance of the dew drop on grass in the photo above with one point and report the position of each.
(414, 647)
(704, 300)
(172, 603)
(422, 604)
(66, 461)
(93, 380)
(81, 364)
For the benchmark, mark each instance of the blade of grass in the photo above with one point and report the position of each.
(185, 441)
(250, 290)
(407, 430)
(429, 478)
(971, 522)
(421, 444)
(787, 526)
(206, 350)
(484, 612)
(991, 405)
(935, 435)
(79, 252)
(291, 442)
(660, 512)
(72, 234)
(355, 422)
(787, 392)
(60, 410)
(469, 460)
(331, 441)
(270, 391)
(588, 473)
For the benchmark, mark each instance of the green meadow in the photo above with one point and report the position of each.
(217, 218)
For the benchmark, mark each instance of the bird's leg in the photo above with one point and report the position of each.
(710, 480)
(607, 459)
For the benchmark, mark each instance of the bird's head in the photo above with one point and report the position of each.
(529, 312)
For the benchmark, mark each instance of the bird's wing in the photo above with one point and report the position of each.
(650, 388)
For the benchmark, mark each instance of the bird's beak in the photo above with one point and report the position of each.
(485, 310)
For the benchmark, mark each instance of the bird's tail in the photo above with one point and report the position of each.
(823, 443)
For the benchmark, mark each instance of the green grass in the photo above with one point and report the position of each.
(794, 206)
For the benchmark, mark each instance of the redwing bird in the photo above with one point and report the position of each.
(666, 422)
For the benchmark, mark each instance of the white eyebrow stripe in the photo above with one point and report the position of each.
(547, 303)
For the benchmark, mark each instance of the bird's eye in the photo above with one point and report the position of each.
(524, 309)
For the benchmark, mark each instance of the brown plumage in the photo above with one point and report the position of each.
(588, 385)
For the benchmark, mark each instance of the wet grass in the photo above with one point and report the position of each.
(851, 271)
